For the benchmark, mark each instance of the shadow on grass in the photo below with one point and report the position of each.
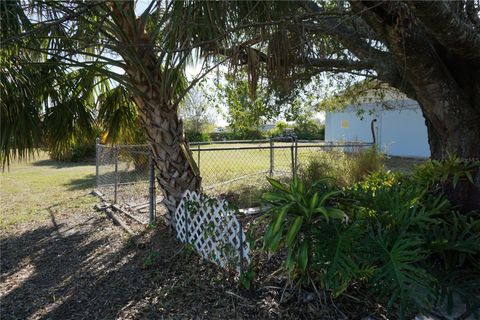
(60, 164)
(87, 182)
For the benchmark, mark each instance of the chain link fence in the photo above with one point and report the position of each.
(243, 165)
(126, 174)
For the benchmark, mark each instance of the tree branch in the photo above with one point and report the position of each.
(336, 64)
(447, 27)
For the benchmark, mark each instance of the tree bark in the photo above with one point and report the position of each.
(446, 85)
(176, 168)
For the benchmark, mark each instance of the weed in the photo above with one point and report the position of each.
(151, 259)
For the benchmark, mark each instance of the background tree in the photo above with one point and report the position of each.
(198, 115)
(244, 112)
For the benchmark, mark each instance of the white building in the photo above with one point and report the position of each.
(399, 128)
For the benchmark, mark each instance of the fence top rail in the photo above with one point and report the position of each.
(313, 143)
(325, 146)
(228, 142)
(123, 145)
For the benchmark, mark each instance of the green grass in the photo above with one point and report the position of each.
(33, 190)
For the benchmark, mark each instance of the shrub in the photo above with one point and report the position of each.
(309, 130)
(420, 249)
(295, 212)
(332, 164)
(279, 130)
(195, 136)
(76, 153)
(247, 134)
(454, 178)
(366, 162)
(386, 233)
(450, 171)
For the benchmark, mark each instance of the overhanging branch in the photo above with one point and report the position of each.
(448, 28)
(341, 64)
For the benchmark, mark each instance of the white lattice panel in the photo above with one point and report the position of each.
(212, 227)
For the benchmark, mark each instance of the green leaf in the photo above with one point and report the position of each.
(327, 196)
(267, 237)
(455, 180)
(277, 184)
(275, 242)
(280, 218)
(314, 201)
(469, 176)
(336, 213)
(294, 229)
(274, 196)
(323, 211)
(303, 256)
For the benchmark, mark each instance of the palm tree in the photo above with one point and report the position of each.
(95, 40)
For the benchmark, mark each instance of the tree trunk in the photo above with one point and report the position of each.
(448, 93)
(174, 162)
(463, 142)
(176, 168)
(447, 87)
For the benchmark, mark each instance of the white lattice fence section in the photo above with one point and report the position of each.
(211, 226)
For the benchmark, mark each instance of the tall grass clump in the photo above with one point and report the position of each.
(346, 169)
(365, 163)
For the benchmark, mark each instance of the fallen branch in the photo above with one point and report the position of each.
(144, 205)
(106, 205)
(119, 221)
(118, 208)
(97, 193)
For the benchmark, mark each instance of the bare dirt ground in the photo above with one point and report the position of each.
(84, 267)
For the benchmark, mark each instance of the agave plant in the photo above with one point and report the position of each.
(296, 210)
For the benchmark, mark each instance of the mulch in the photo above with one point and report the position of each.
(84, 267)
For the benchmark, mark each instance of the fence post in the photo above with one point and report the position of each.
(97, 159)
(198, 157)
(296, 155)
(272, 163)
(152, 195)
(115, 190)
(292, 157)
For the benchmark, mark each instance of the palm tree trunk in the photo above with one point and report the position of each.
(177, 170)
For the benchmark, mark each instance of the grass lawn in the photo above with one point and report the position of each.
(32, 190)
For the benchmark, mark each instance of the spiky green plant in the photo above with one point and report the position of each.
(296, 210)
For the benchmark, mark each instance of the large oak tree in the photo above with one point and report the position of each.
(429, 50)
